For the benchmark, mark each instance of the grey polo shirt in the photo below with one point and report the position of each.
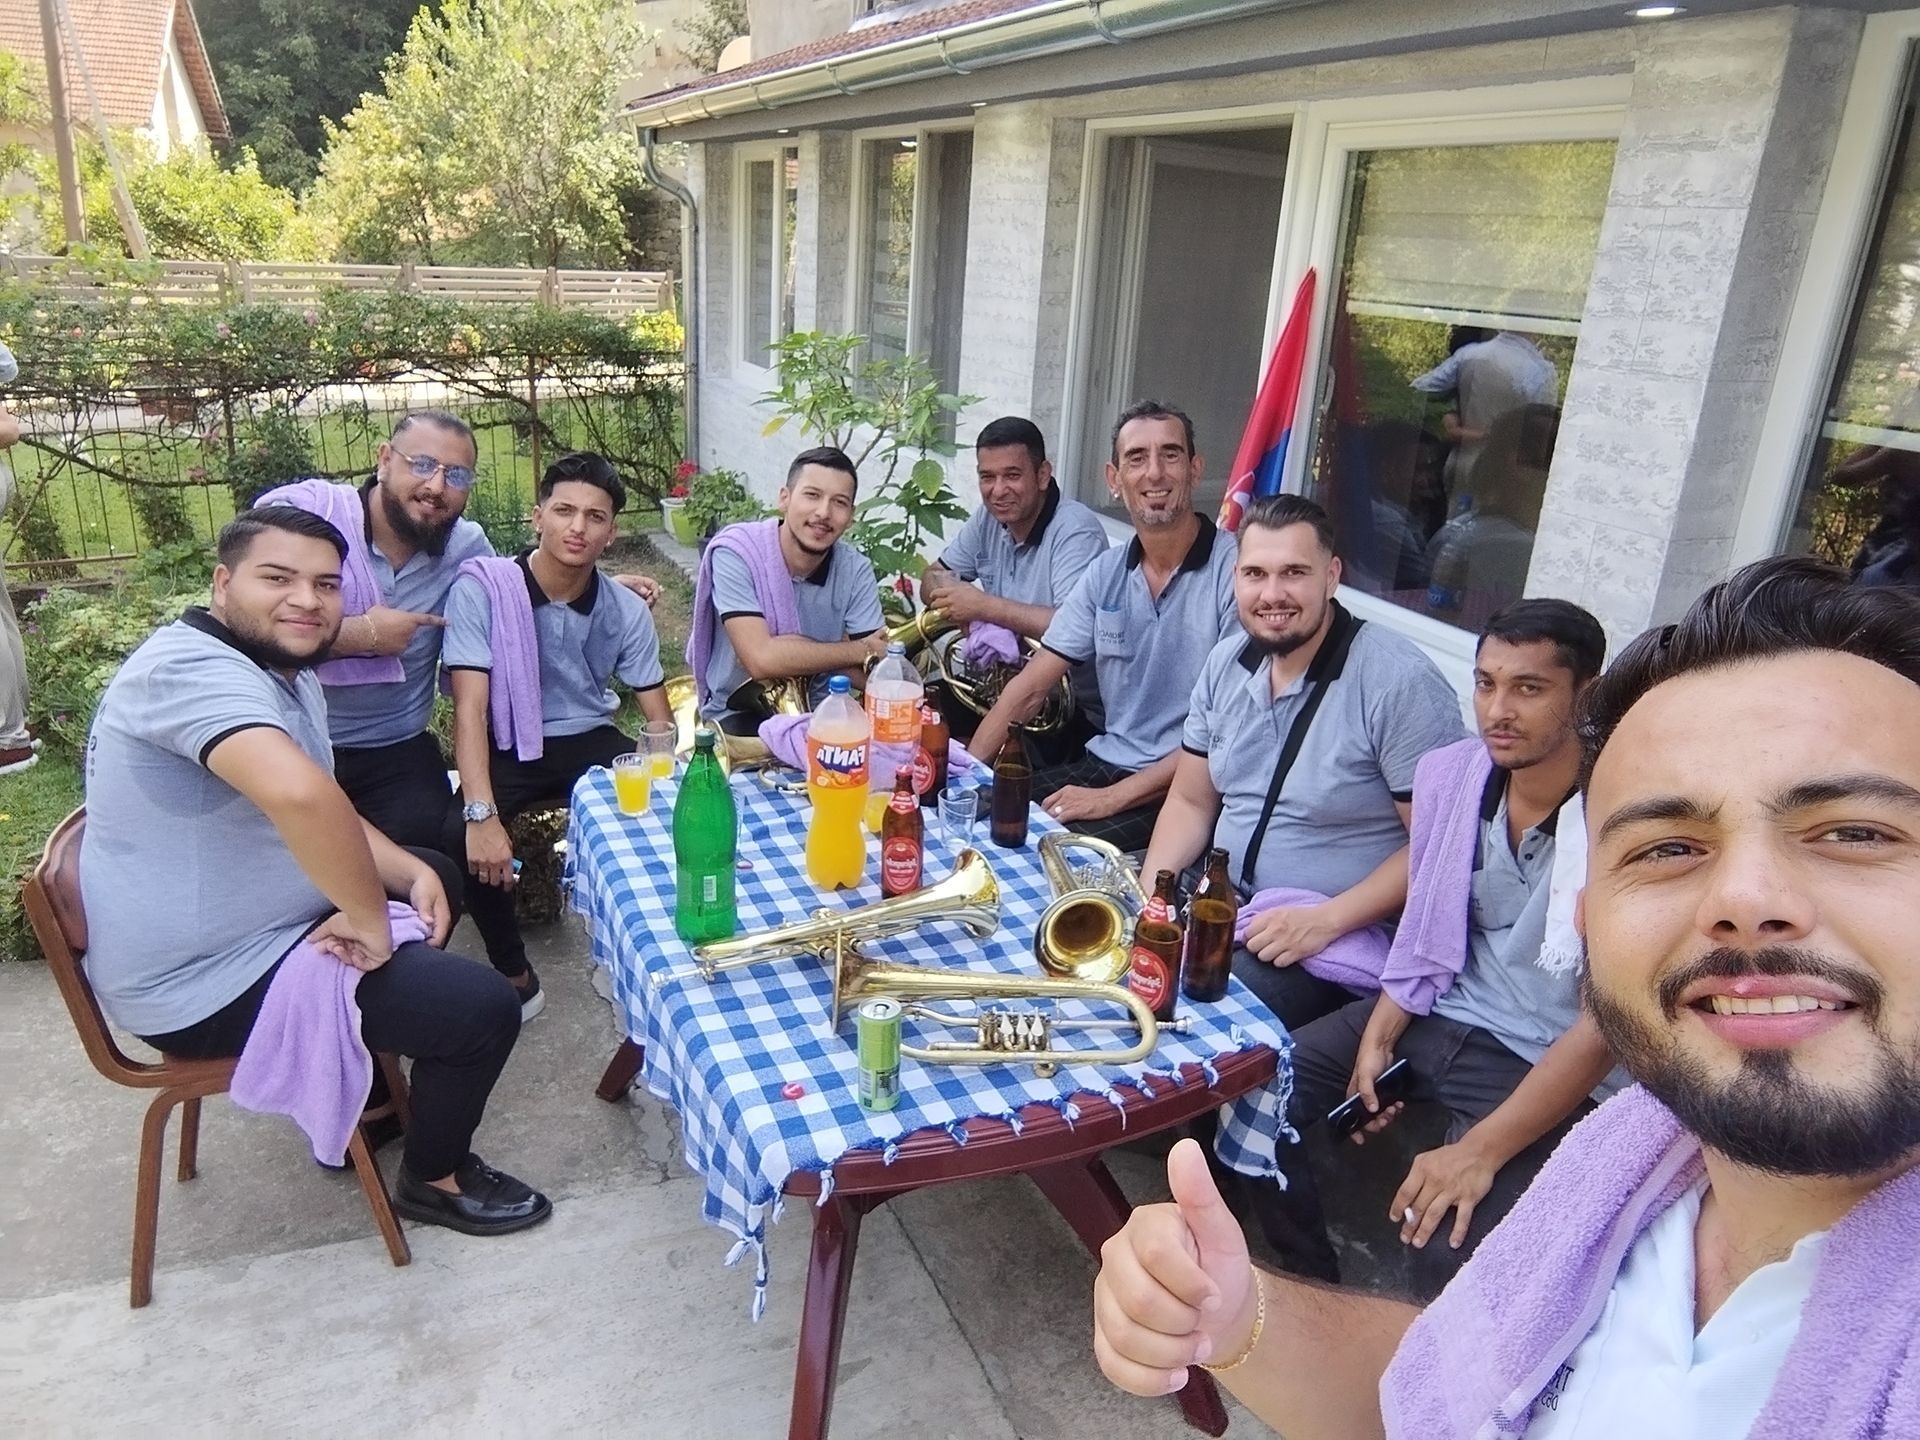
(1147, 651)
(1502, 989)
(363, 716)
(1334, 820)
(838, 600)
(190, 892)
(603, 633)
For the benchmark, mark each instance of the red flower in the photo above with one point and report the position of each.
(904, 585)
(679, 492)
(685, 470)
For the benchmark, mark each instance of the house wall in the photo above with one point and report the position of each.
(1724, 148)
(176, 119)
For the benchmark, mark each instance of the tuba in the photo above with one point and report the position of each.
(933, 645)
(1087, 931)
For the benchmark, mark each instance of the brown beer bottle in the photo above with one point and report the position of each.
(930, 760)
(902, 848)
(1012, 793)
(1210, 916)
(1154, 974)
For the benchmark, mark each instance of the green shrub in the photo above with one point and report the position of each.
(716, 498)
(270, 447)
(75, 642)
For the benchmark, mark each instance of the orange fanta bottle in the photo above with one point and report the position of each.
(837, 738)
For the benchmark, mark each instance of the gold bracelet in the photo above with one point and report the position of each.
(1259, 1324)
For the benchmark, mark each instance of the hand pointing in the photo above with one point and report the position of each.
(1175, 1287)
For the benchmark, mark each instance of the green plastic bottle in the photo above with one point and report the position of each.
(706, 830)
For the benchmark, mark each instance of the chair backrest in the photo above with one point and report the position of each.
(60, 922)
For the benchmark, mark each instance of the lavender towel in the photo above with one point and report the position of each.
(786, 737)
(304, 1056)
(757, 542)
(339, 506)
(989, 644)
(513, 686)
(1353, 959)
(1474, 1363)
(1430, 945)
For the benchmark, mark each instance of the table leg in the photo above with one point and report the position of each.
(1092, 1202)
(618, 1078)
(823, 1315)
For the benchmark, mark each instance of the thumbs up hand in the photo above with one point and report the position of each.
(1175, 1287)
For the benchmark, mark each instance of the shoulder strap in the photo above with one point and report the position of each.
(1326, 668)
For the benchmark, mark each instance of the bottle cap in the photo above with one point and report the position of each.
(702, 738)
(896, 647)
(839, 685)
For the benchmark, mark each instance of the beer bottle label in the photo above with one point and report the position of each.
(901, 803)
(1157, 911)
(899, 866)
(1147, 976)
(922, 771)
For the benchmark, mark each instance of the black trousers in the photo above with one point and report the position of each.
(402, 789)
(456, 1019)
(521, 785)
(1127, 830)
(1461, 1068)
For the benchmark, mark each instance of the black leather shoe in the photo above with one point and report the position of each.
(489, 1203)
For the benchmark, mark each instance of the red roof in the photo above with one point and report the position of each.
(124, 42)
(868, 37)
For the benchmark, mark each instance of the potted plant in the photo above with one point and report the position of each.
(673, 505)
(717, 498)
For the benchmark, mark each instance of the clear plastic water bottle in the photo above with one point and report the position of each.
(894, 693)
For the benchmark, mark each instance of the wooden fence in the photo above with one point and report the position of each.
(614, 293)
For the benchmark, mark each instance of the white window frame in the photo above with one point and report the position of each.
(1830, 280)
(1326, 137)
(744, 343)
(859, 256)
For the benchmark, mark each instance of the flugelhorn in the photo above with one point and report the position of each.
(970, 897)
(932, 646)
(1086, 933)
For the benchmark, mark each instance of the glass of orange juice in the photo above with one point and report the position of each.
(657, 739)
(633, 783)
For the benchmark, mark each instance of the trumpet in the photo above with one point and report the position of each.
(1087, 931)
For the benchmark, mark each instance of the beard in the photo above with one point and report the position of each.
(430, 539)
(1284, 645)
(255, 640)
(1769, 1116)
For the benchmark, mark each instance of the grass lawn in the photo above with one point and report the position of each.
(31, 804)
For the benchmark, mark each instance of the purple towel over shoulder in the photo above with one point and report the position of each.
(1353, 959)
(757, 542)
(1475, 1361)
(1430, 946)
(304, 1056)
(340, 507)
(513, 685)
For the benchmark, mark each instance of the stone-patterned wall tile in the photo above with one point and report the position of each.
(1562, 554)
(1691, 566)
(1623, 580)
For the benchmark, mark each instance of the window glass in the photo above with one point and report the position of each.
(1860, 502)
(887, 232)
(1463, 275)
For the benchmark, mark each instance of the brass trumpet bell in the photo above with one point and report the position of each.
(1086, 933)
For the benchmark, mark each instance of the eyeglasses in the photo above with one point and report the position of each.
(425, 467)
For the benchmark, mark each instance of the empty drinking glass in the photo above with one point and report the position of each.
(959, 807)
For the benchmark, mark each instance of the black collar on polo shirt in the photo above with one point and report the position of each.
(1045, 518)
(1329, 661)
(366, 505)
(1496, 788)
(200, 618)
(581, 604)
(1198, 553)
(818, 575)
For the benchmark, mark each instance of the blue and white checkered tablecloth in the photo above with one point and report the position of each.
(720, 1052)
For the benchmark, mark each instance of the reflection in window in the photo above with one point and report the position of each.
(1463, 275)
(773, 204)
(1860, 503)
(887, 233)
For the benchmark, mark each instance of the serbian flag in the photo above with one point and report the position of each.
(1263, 448)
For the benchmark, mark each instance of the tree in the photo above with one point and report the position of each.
(287, 66)
(22, 103)
(491, 139)
(711, 30)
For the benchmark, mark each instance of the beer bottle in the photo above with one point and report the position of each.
(930, 760)
(1154, 974)
(902, 850)
(1012, 793)
(1210, 916)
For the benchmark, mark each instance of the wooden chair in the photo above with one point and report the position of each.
(53, 905)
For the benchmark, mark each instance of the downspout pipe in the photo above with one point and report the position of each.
(689, 282)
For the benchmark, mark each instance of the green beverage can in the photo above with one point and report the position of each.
(877, 1023)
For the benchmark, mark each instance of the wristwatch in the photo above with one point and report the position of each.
(478, 810)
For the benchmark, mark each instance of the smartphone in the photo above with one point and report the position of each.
(1350, 1114)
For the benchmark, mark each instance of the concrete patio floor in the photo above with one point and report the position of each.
(276, 1311)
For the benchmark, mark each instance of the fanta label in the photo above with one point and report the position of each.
(1147, 976)
(899, 866)
(836, 766)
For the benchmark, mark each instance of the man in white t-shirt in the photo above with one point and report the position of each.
(1727, 1248)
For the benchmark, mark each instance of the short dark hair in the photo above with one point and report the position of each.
(831, 456)
(238, 534)
(1783, 606)
(1014, 430)
(1276, 512)
(587, 469)
(440, 419)
(1579, 644)
(1151, 410)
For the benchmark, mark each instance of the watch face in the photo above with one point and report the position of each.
(477, 811)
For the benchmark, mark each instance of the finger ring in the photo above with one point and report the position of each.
(1408, 1216)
